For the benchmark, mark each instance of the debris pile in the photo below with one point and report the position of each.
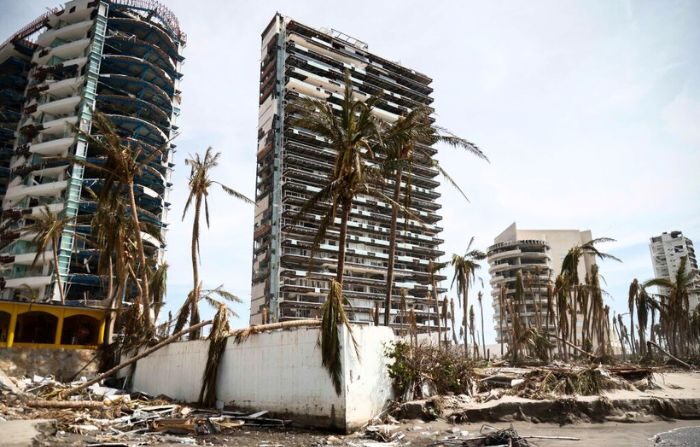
(554, 381)
(108, 415)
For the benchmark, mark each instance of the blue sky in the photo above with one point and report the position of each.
(589, 112)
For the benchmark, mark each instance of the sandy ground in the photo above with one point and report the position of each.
(420, 434)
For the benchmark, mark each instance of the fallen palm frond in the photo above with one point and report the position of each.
(333, 315)
(217, 344)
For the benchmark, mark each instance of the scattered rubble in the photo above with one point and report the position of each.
(110, 416)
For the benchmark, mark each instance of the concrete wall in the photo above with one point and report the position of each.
(280, 371)
(63, 364)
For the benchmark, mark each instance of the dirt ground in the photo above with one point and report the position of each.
(422, 434)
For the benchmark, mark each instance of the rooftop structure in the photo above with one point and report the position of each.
(293, 163)
(537, 255)
(120, 57)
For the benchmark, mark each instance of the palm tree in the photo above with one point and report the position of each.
(465, 268)
(632, 297)
(433, 268)
(501, 313)
(675, 307)
(351, 134)
(479, 297)
(569, 272)
(405, 143)
(122, 163)
(48, 228)
(200, 183)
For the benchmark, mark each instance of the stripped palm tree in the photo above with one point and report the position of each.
(569, 272)
(479, 297)
(405, 143)
(465, 267)
(632, 297)
(433, 268)
(352, 133)
(501, 313)
(675, 307)
(200, 183)
(47, 229)
(121, 164)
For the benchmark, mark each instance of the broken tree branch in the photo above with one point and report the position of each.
(574, 346)
(651, 343)
(65, 393)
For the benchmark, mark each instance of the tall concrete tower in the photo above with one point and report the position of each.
(300, 61)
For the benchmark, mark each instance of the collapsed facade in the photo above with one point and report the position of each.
(119, 57)
(537, 255)
(293, 163)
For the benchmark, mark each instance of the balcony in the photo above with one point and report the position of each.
(33, 282)
(53, 147)
(59, 106)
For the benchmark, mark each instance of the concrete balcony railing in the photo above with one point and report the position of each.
(59, 106)
(17, 192)
(33, 282)
(53, 147)
(68, 32)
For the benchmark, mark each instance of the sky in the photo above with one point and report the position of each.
(588, 110)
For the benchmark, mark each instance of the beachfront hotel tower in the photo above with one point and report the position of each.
(120, 57)
(293, 163)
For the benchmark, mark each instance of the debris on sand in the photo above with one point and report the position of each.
(488, 436)
(105, 415)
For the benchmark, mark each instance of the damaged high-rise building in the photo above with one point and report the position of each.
(536, 256)
(120, 57)
(293, 163)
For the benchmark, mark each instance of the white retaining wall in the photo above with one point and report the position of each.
(280, 371)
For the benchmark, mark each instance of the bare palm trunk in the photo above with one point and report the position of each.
(483, 337)
(347, 206)
(574, 317)
(54, 245)
(143, 289)
(435, 298)
(634, 349)
(194, 298)
(502, 299)
(466, 320)
(392, 244)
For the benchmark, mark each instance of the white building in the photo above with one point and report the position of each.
(667, 250)
(538, 256)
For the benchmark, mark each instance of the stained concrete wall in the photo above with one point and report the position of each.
(63, 364)
(280, 371)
